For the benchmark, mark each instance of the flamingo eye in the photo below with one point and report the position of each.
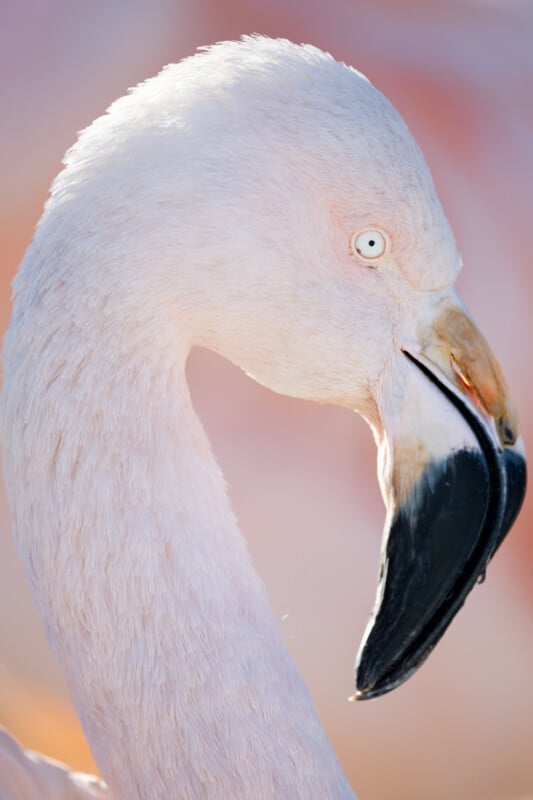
(369, 244)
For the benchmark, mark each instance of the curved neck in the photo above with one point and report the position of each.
(181, 679)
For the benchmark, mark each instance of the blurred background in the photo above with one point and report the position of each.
(302, 477)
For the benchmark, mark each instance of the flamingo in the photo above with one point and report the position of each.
(265, 201)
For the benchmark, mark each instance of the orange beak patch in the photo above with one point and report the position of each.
(474, 369)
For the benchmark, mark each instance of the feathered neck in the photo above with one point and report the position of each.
(144, 583)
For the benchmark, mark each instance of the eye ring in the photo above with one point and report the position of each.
(369, 244)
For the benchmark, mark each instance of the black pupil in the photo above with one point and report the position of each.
(371, 243)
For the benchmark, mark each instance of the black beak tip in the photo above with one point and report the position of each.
(369, 686)
(373, 678)
(438, 545)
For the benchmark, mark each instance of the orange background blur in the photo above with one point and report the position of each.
(302, 478)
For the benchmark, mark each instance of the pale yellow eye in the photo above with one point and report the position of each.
(369, 244)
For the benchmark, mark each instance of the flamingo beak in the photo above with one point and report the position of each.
(453, 476)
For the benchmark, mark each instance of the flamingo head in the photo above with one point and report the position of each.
(273, 202)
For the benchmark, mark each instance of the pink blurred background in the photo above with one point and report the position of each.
(302, 477)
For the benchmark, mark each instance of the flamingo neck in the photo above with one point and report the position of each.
(178, 672)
